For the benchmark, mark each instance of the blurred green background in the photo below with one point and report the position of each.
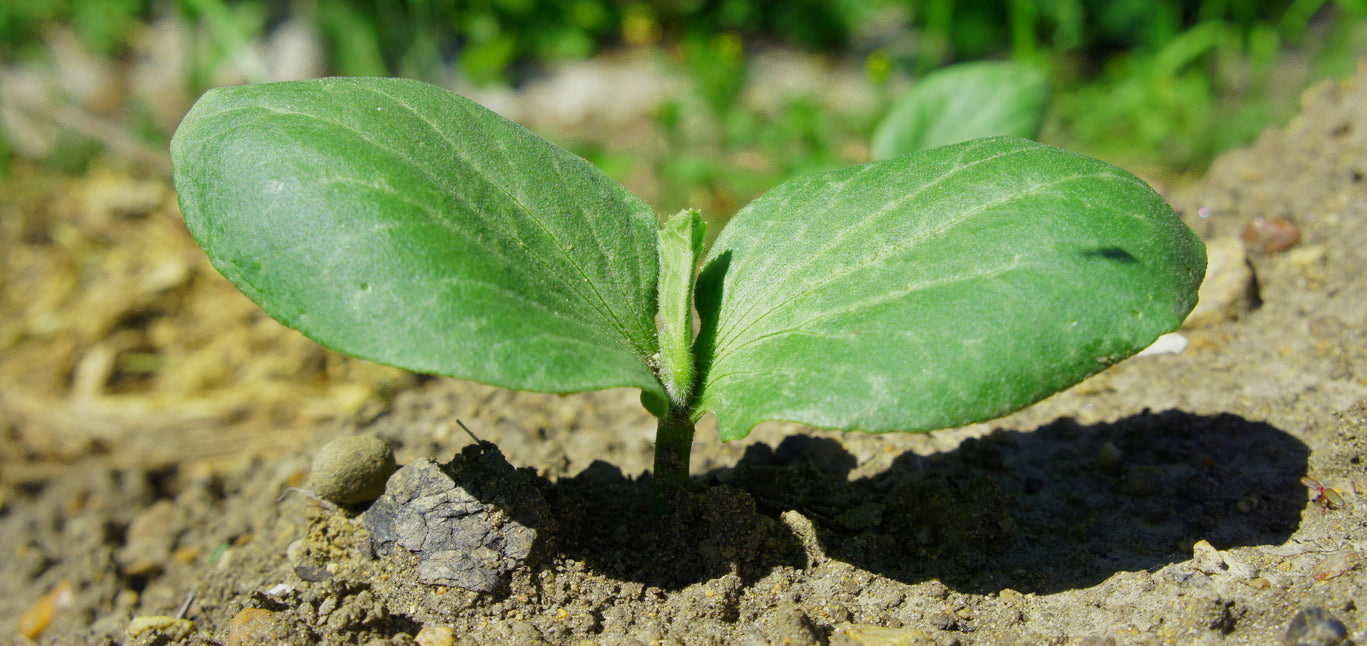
(699, 103)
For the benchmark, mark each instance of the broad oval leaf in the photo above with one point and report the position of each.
(936, 289)
(963, 102)
(398, 222)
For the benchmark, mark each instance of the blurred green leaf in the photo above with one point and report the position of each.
(716, 63)
(963, 102)
(106, 25)
(353, 41)
(485, 61)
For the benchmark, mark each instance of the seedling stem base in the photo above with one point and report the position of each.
(673, 445)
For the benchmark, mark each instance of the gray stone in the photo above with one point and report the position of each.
(1314, 627)
(471, 522)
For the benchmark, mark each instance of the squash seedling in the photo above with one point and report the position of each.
(397, 222)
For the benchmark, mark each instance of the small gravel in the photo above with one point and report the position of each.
(353, 470)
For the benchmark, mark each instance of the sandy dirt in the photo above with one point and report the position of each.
(156, 434)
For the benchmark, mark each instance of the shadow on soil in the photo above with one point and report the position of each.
(1060, 507)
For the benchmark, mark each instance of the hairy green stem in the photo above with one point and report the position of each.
(680, 243)
(673, 446)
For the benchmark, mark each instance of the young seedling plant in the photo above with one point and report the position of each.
(397, 222)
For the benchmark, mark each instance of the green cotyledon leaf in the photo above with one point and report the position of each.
(398, 222)
(936, 289)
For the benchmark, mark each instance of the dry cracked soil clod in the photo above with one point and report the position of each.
(470, 522)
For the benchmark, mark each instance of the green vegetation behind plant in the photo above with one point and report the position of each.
(1160, 83)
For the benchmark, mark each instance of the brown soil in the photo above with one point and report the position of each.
(153, 427)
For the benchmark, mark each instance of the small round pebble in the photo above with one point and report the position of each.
(353, 470)
(1271, 235)
(1110, 456)
(1229, 290)
(39, 615)
(170, 628)
(1314, 627)
(435, 636)
(252, 626)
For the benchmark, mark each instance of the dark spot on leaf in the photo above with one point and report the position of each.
(1111, 253)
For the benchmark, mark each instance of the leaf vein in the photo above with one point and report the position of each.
(897, 249)
(873, 218)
